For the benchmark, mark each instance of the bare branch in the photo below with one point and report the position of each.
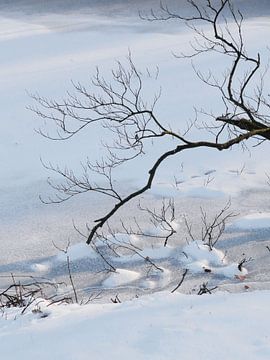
(181, 281)
(120, 105)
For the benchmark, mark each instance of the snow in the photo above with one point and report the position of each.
(162, 326)
(76, 252)
(124, 238)
(120, 277)
(72, 253)
(212, 184)
(158, 252)
(200, 258)
(43, 267)
(197, 249)
(42, 52)
(253, 221)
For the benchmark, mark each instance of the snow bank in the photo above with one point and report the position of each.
(199, 258)
(163, 326)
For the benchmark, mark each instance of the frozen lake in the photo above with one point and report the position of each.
(43, 48)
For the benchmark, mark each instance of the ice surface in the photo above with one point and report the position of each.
(45, 46)
(253, 221)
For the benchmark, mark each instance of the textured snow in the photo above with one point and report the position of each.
(162, 326)
(253, 221)
(76, 252)
(200, 258)
(42, 52)
(120, 277)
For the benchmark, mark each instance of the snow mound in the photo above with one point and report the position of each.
(200, 258)
(120, 277)
(74, 252)
(197, 250)
(41, 267)
(77, 252)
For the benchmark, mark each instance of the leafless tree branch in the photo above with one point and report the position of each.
(120, 106)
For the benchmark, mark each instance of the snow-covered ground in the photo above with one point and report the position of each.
(162, 326)
(43, 48)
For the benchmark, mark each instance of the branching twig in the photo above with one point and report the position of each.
(120, 106)
(181, 281)
(205, 290)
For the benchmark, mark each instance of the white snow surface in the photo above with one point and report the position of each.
(120, 277)
(200, 258)
(260, 220)
(42, 54)
(76, 252)
(162, 326)
(71, 253)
